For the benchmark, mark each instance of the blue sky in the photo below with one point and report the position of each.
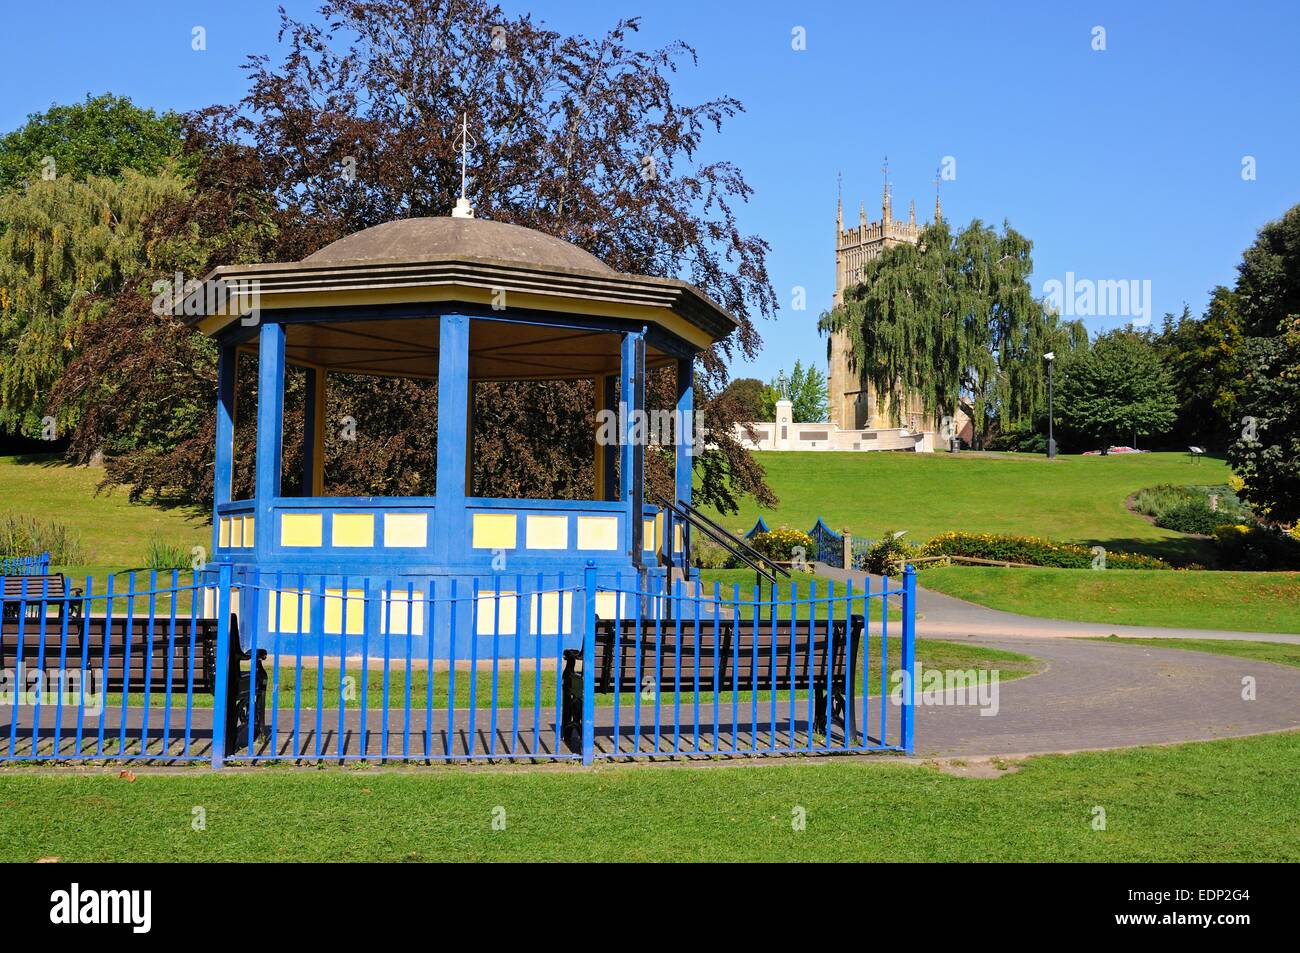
(1120, 164)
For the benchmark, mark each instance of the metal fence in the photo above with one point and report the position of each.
(25, 565)
(236, 666)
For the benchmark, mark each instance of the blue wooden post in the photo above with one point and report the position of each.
(451, 537)
(311, 430)
(589, 666)
(907, 722)
(633, 436)
(685, 452)
(270, 430)
(223, 475)
(224, 572)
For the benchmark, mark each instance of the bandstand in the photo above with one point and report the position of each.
(458, 300)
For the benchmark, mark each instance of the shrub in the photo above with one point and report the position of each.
(165, 555)
(1257, 548)
(707, 554)
(779, 544)
(888, 555)
(1021, 438)
(1033, 551)
(1191, 516)
(1160, 501)
(28, 536)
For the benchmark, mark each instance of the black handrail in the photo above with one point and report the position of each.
(739, 541)
(723, 539)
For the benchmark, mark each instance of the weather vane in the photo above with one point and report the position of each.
(463, 209)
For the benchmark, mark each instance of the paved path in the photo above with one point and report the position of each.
(943, 616)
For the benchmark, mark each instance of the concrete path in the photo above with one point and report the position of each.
(942, 616)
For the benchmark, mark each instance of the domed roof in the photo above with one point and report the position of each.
(425, 239)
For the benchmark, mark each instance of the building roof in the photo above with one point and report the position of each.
(470, 261)
(428, 239)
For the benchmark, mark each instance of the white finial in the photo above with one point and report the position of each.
(463, 208)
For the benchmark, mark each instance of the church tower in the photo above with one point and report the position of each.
(852, 403)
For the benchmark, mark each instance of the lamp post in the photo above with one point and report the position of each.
(1050, 358)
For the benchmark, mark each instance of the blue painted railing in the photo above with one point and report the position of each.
(25, 565)
(231, 666)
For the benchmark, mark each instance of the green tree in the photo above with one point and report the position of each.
(748, 394)
(1266, 453)
(104, 136)
(1203, 357)
(953, 318)
(1116, 390)
(66, 248)
(565, 124)
(807, 391)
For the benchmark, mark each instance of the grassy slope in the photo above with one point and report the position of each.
(1217, 801)
(114, 532)
(1282, 653)
(1238, 601)
(1071, 498)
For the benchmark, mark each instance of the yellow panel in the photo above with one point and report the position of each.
(677, 537)
(353, 529)
(598, 532)
(406, 529)
(286, 619)
(547, 532)
(494, 530)
(334, 611)
(607, 605)
(648, 535)
(401, 615)
(223, 532)
(506, 606)
(300, 529)
(554, 619)
(248, 532)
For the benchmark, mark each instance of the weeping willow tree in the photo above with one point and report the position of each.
(66, 248)
(953, 319)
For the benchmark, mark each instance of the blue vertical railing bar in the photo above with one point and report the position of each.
(365, 668)
(519, 638)
(387, 615)
(496, 666)
(617, 647)
(906, 725)
(537, 670)
(126, 659)
(85, 664)
(224, 576)
(430, 609)
(451, 670)
(40, 668)
(406, 695)
(588, 664)
(63, 670)
(318, 631)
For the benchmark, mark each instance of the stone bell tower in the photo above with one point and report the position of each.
(852, 403)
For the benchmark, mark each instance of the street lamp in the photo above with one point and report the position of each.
(1050, 358)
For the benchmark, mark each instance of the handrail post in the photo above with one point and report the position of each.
(589, 666)
(219, 700)
(907, 724)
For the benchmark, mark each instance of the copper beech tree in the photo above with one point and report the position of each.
(577, 136)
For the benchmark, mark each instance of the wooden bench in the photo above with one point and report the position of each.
(48, 590)
(160, 656)
(745, 663)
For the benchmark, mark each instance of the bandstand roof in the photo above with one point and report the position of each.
(464, 261)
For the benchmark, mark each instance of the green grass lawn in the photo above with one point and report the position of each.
(930, 653)
(1072, 498)
(114, 532)
(1280, 653)
(1216, 801)
(1234, 601)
